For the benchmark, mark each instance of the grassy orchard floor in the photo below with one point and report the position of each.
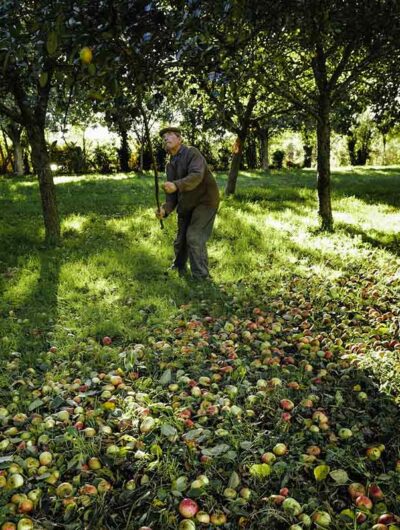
(341, 289)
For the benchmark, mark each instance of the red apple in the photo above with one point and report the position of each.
(8, 525)
(355, 490)
(386, 518)
(277, 499)
(363, 502)
(188, 508)
(25, 506)
(286, 404)
(106, 341)
(375, 492)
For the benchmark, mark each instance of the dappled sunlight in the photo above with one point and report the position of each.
(380, 217)
(109, 273)
(63, 179)
(19, 290)
(75, 223)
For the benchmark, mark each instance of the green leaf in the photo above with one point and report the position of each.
(339, 476)
(180, 484)
(234, 480)
(52, 43)
(57, 402)
(166, 377)
(217, 450)
(35, 404)
(92, 69)
(321, 472)
(168, 430)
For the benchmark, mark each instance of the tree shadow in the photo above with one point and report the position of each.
(382, 240)
(372, 186)
(34, 313)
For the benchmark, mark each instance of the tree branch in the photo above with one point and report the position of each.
(13, 115)
(341, 65)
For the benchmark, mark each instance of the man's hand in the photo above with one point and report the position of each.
(169, 187)
(160, 214)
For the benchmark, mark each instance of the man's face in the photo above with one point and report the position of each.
(171, 141)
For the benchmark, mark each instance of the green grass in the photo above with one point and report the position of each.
(267, 258)
(107, 277)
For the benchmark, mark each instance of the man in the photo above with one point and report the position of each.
(193, 191)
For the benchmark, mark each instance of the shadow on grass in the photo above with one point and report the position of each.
(102, 281)
(34, 312)
(382, 240)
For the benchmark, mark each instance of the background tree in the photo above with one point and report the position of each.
(323, 49)
(40, 42)
(216, 40)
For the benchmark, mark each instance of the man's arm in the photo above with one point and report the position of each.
(195, 173)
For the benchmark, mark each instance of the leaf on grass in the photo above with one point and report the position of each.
(339, 476)
(339, 398)
(321, 472)
(180, 484)
(193, 434)
(234, 480)
(6, 459)
(57, 402)
(35, 404)
(168, 430)
(216, 451)
(166, 377)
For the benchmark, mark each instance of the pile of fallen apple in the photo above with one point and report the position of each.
(260, 418)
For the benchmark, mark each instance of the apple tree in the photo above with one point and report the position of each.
(39, 50)
(323, 49)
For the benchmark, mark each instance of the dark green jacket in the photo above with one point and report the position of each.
(196, 185)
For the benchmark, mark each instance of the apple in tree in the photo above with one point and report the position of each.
(86, 56)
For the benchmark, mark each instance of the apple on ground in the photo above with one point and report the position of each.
(188, 508)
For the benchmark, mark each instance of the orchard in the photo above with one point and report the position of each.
(260, 417)
(264, 396)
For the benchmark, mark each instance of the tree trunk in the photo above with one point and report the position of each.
(18, 159)
(251, 154)
(141, 159)
(14, 132)
(323, 164)
(235, 164)
(384, 149)
(41, 165)
(27, 167)
(264, 148)
(123, 151)
(8, 158)
(351, 146)
(307, 155)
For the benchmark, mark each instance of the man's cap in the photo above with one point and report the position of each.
(170, 128)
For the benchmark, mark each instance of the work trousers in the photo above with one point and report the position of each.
(194, 230)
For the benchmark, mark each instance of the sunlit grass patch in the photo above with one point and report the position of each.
(108, 276)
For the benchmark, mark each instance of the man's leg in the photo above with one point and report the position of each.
(197, 235)
(180, 245)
